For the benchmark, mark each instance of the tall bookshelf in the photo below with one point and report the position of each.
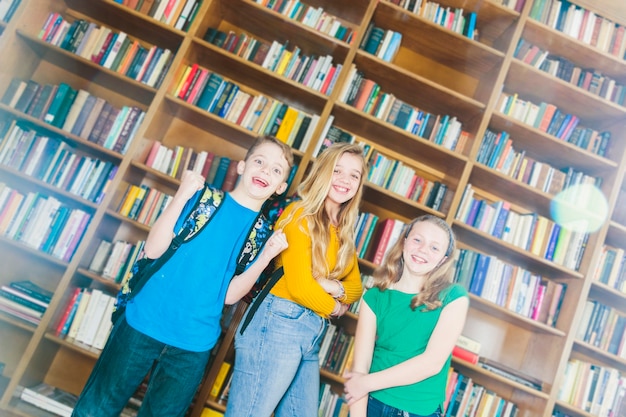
(436, 70)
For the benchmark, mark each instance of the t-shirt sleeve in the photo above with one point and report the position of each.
(371, 298)
(453, 292)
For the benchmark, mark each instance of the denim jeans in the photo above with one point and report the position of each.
(376, 408)
(126, 359)
(276, 362)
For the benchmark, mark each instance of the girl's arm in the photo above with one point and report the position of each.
(162, 231)
(241, 284)
(423, 366)
(364, 340)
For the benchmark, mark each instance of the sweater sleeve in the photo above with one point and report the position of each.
(297, 283)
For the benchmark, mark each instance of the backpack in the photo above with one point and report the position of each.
(206, 206)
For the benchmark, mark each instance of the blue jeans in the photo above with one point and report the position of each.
(276, 362)
(126, 359)
(376, 408)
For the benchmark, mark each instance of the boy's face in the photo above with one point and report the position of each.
(264, 172)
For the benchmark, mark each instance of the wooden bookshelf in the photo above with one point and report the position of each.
(435, 70)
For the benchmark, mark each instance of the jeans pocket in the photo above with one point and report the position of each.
(287, 310)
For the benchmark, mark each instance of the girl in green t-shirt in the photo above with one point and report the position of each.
(408, 325)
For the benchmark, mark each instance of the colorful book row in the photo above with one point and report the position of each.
(315, 72)
(611, 268)
(142, 203)
(176, 13)
(510, 286)
(257, 113)
(86, 317)
(529, 231)
(367, 281)
(76, 111)
(384, 44)
(451, 18)
(41, 222)
(603, 327)
(106, 47)
(54, 162)
(365, 95)
(331, 403)
(336, 349)
(588, 79)
(464, 397)
(24, 300)
(497, 152)
(581, 24)
(313, 17)
(399, 178)
(549, 119)
(114, 260)
(595, 389)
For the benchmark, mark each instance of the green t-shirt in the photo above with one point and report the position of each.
(401, 334)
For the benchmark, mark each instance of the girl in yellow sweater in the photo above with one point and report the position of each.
(276, 361)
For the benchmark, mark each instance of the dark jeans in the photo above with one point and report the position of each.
(123, 364)
(377, 409)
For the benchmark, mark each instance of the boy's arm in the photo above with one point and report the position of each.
(241, 284)
(162, 231)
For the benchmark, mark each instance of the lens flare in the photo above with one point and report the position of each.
(581, 208)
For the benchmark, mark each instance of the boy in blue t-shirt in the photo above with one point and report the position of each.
(170, 327)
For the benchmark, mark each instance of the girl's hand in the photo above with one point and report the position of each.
(355, 386)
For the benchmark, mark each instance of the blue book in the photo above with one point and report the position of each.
(454, 394)
(480, 273)
(220, 174)
(60, 217)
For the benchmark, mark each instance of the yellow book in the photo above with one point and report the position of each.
(131, 196)
(219, 380)
(284, 61)
(287, 124)
(539, 237)
(184, 73)
(207, 412)
(177, 158)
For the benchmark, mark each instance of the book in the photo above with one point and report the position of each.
(464, 354)
(50, 398)
(218, 384)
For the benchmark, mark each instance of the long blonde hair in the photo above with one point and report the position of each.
(313, 192)
(437, 280)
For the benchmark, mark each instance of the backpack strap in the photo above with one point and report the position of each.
(276, 275)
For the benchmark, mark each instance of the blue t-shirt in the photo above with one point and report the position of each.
(182, 303)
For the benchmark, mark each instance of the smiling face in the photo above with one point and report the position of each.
(346, 179)
(264, 172)
(425, 248)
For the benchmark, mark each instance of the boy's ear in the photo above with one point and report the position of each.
(241, 166)
(281, 188)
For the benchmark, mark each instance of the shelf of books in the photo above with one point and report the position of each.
(504, 117)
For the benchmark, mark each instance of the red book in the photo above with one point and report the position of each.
(187, 83)
(207, 164)
(547, 117)
(465, 355)
(384, 232)
(231, 176)
(364, 94)
(67, 311)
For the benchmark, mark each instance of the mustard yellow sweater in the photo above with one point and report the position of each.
(297, 283)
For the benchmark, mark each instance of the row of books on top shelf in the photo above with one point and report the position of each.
(108, 48)
(595, 389)
(509, 286)
(528, 231)
(603, 327)
(53, 161)
(76, 111)
(331, 403)
(365, 95)
(611, 268)
(257, 113)
(313, 17)
(41, 222)
(49, 398)
(551, 120)
(7, 9)
(374, 239)
(401, 179)
(176, 13)
(452, 18)
(336, 349)
(113, 260)
(86, 317)
(142, 203)
(497, 152)
(316, 72)
(383, 43)
(25, 300)
(582, 24)
(464, 397)
(588, 79)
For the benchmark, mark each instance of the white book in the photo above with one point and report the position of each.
(104, 328)
(85, 330)
(77, 106)
(345, 88)
(158, 68)
(20, 214)
(100, 257)
(44, 221)
(184, 14)
(318, 145)
(158, 13)
(84, 41)
(121, 37)
(80, 313)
